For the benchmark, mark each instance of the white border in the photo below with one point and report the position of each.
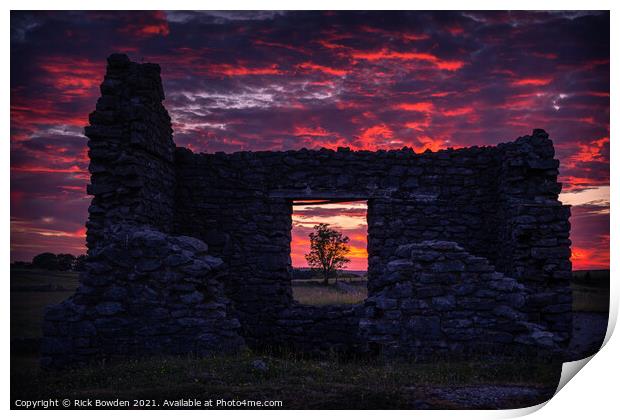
(592, 395)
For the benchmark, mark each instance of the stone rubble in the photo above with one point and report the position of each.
(435, 297)
(143, 293)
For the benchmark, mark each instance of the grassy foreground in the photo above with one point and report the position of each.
(297, 382)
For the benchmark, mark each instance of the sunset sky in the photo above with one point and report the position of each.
(287, 80)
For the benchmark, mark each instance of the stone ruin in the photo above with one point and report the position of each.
(189, 253)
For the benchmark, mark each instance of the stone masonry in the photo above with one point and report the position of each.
(143, 293)
(435, 297)
(496, 207)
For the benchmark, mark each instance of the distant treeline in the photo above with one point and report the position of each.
(595, 278)
(55, 262)
(308, 273)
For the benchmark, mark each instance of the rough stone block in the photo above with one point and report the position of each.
(425, 327)
(109, 308)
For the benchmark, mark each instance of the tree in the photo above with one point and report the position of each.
(21, 264)
(65, 262)
(328, 250)
(46, 261)
(80, 263)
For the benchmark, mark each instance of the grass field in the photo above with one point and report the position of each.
(31, 291)
(590, 299)
(590, 290)
(297, 382)
(313, 292)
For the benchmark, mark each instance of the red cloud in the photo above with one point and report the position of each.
(521, 101)
(69, 80)
(327, 70)
(375, 137)
(231, 70)
(147, 25)
(418, 125)
(330, 45)
(532, 82)
(311, 132)
(186, 61)
(26, 113)
(72, 76)
(599, 94)
(415, 37)
(455, 30)
(588, 152)
(576, 183)
(441, 94)
(74, 169)
(590, 258)
(417, 106)
(429, 143)
(384, 54)
(458, 111)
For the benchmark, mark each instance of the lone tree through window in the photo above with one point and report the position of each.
(328, 251)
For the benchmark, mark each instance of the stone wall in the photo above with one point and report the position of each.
(143, 293)
(241, 205)
(131, 151)
(243, 226)
(534, 228)
(497, 203)
(319, 330)
(435, 298)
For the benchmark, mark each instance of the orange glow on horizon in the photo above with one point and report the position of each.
(590, 259)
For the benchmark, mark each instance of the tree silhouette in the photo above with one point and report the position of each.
(65, 262)
(328, 250)
(80, 263)
(46, 261)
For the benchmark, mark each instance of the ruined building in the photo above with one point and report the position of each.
(190, 252)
